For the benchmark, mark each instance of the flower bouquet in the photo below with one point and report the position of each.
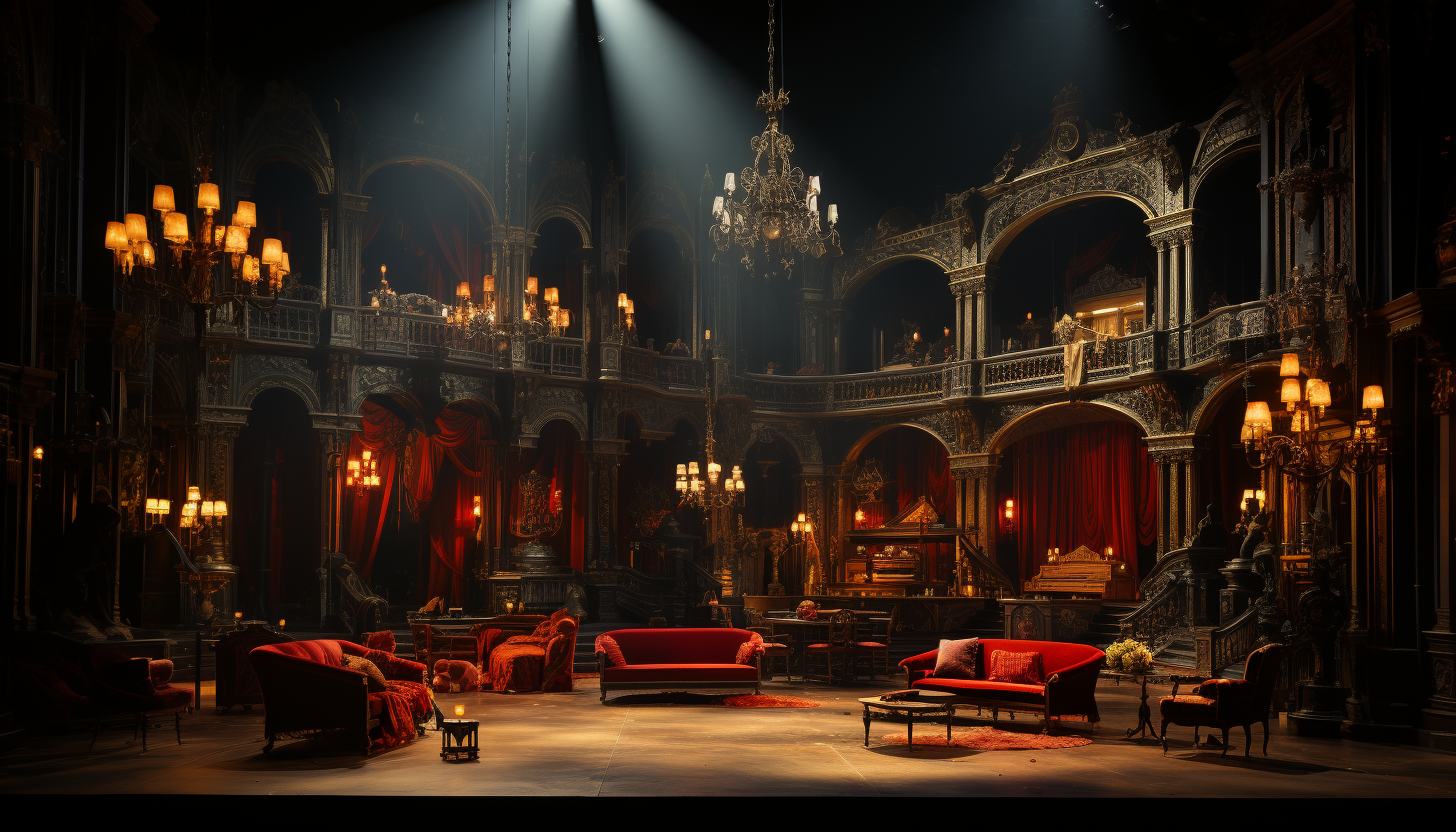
(1129, 656)
(807, 610)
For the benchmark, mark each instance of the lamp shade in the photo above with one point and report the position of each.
(206, 508)
(462, 289)
(730, 182)
(1290, 392)
(1373, 397)
(116, 236)
(219, 508)
(281, 267)
(174, 227)
(1319, 392)
(247, 215)
(1289, 365)
(136, 227)
(272, 251)
(553, 297)
(488, 284)
(1257, 413)
(236, 240)
(163, 199)
(250, 269)
(621, 300)
(151, 505)
(833, 214)
(194, 494)
(717, 206)
(207, 197)
(814, 185)
(531, 285)
(147, 254)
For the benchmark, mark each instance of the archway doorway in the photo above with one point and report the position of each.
(911, 294)
(912, 470)
(658, 279)
(277, 477)
(772, 502)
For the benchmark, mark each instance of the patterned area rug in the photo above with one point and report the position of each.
(990, 739)
(768, 701)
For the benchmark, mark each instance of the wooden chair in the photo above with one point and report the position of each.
(866, 645)
(841, 635)
(774, 646)
(1225, 703)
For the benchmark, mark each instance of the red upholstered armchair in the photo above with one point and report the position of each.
(141, 688)
(541, 661)
(1225, 703)
(307, 690)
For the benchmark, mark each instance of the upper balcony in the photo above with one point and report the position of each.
(1219, 336)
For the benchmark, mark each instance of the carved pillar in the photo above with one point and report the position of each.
(324, 216)
(1188, 310)
(352, 281)
(1160, 298)
(603, 505)
(976, 308)
(963, 284)
(1174, 282)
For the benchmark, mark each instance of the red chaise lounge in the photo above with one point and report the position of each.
(307, 690)
(1067, 688)
(678, 659)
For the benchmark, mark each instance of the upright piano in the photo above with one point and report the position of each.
(1085, 572)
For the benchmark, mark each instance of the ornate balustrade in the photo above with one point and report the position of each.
(678, 371)
(174, 317)
(1216, 648)
(1026, 370)
(856, 392)
(556, 356)
(639, 365)
(290, 322)
(425, 336)
(1209, 336)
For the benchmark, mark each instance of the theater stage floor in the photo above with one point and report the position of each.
(569, 744)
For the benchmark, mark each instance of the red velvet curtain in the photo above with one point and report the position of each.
(559, 460)
(1087, 485)
(914, 465)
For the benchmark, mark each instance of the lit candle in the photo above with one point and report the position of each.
(460, 710)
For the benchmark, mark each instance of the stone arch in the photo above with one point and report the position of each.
(805, 445)
(492, 413)
(874, 266)
(996, 243)
(532, 430)
(868, 436)
(568, 213)
(1222, 387)
(565, 192)
(673, 229)
(303, 389)
(475, 193)
(1017, 427)
(286, 129)
(1232, 132)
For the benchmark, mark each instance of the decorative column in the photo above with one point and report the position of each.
(351, 281)
(972, 286)
(324, 256)
(1172, 237)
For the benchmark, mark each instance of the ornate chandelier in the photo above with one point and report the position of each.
(716, 491)
(189, 277)
(1298, 450)
(777, 205)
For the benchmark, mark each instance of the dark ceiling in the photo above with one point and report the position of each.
(894, 103)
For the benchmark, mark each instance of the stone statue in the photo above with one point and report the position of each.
(1258, 528)
(1211, 532)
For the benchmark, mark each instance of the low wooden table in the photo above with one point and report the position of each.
(917, 704)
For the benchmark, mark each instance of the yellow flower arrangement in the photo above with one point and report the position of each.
(1129, 656)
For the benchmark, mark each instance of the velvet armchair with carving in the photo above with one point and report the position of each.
(1226, 703)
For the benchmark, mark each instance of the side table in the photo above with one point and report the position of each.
(1145, 713)
(913, 704)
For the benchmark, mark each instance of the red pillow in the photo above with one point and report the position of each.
(748, 649)
(956, 659)
(1017, 668)
(382, 640)
(607, 644)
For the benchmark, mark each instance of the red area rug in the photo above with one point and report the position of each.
(990, 739)
(584, 675)
(767, 701)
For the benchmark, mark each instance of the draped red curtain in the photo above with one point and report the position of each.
(1090, 259)
(559, 461)
(1086, 485)
(914, 465)
(463, 260)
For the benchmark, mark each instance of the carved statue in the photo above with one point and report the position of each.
(1258, 528)
(1211, 532)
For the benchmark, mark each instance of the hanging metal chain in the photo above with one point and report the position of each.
(770, 47)
(508, 116)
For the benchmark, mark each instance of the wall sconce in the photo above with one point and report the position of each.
(859, 517)
(1008, 516)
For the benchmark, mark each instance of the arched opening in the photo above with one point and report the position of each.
(906, 298)
(559, 462)
(658, 279)
(415, 535)
(288, 206)
(771, 501)
(424, 230)
(912, 471)
(1090, 259)
(769, 315)
(556, 262)
(1227, 270)
(645, 483)
(1076, 475)
(1226, 475)
(275, 513)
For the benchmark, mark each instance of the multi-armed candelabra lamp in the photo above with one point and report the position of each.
(1296, 448)
(362, 472)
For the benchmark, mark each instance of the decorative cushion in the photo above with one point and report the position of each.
(161, 671)
(360, 664)
(382, 640)
(1019, 668)
(749, 649)
(871, 645)
(956, 658)
(1189, 707)
(607, 644)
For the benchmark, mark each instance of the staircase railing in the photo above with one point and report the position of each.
(1216, 648)
(644, 595)
(1159, 618)
(694, 581)
(985, 576)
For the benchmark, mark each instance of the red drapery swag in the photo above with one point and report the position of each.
(451, 240)
(914, 465)
(1086, 485)
(462, 435)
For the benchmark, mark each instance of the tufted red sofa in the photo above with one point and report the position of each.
(678, 659)
(1068, 687)
(307, 690)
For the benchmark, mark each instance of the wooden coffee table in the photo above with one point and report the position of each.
(913, 705)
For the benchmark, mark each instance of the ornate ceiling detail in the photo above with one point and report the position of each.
(370, 379)
(1155, 405)
(1230, 126)
(898, 236)
(548, 403)
(254, 373)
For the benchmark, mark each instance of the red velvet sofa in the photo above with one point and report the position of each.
(1068, 687)
(678, 659)
(307, 690)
